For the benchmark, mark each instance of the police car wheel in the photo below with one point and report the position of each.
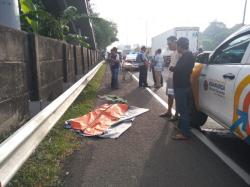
(197, 118)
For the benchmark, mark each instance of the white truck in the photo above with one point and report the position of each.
(160, 41)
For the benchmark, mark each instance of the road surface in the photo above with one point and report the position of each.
(145, 155)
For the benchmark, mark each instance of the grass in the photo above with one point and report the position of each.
(44, 166)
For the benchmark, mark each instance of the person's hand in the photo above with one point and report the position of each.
(171, 68)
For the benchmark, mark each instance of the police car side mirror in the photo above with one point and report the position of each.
(202, 59)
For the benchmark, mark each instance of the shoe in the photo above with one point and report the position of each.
(165, 114)
(177, 128)
(174, 119)
(179, 136)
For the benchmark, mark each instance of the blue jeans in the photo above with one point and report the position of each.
(114, 78)
(182, 101)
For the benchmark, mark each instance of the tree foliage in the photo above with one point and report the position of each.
(35, 18)
(215, 33)
(105, 31)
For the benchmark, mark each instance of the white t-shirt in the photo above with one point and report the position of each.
(175, 56)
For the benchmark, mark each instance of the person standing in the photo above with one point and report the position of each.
(114, 61)
(182, 87)
(158, 68)
(172, 45)
(152, 68)
(143, 67)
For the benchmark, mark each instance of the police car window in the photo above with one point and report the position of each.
(232, 52)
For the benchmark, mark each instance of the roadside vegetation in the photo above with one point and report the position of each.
(36, 18)
(215, 33)
(44, 166)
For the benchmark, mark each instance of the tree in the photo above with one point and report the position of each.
(35, 18)
(215, 33)
(105, 31)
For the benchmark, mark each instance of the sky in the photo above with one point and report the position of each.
(139, 20)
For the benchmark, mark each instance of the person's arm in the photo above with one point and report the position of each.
(117, 58)
(186, 62)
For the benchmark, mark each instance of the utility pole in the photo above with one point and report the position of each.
(9, 14)
(244, 14)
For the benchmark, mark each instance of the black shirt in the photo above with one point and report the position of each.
(182, 71)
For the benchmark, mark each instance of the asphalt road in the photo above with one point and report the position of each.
(145, 155)
(228, 143)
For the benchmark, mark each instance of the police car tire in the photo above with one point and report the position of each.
(197, 118)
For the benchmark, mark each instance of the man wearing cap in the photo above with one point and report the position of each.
(143, 67)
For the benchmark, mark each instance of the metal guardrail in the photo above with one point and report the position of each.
(15, 150)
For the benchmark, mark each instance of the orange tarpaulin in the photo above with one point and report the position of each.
(99, 120)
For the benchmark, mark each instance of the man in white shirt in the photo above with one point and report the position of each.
(172, 45)
(158, 68)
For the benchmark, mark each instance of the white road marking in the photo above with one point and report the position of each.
(236, 168)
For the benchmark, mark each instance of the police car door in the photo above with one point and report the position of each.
(217, 79)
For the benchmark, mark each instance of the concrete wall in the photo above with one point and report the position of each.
(50, 67)
(84, 60)
(85, 57)
(13, 77)
(35, 68)
(78, 61)
(69, 64)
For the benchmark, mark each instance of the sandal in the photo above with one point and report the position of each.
(179, 136)
(177, 128)
(166, 114)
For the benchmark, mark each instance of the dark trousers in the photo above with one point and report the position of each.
(114, 78)
(143, 75)
(182, 96)
(153, 73)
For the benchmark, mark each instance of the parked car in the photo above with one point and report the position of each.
(130, 62)
(221, 85)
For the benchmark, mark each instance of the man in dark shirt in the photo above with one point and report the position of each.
(143, 67)
(114, 61)
(182, 87)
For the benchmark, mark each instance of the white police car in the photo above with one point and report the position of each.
(221, 86)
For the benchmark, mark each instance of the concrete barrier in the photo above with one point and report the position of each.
(13, 77)
(37, 69)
